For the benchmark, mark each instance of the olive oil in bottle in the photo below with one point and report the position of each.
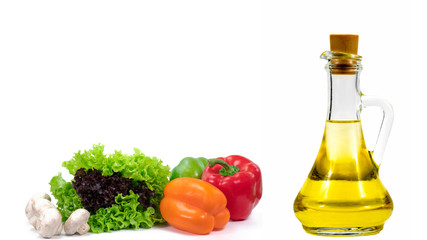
(343, 194)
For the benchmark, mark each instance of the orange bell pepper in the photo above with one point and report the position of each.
(194, 206)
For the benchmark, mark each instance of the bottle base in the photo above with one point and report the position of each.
(340, 232)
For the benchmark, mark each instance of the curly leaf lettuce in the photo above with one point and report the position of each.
(67, 197)
(127, 213)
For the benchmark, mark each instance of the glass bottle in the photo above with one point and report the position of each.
(343, 194)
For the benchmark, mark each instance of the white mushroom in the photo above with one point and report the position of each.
(29, 212)
(44, 216)
(77, 222)
(49, 223)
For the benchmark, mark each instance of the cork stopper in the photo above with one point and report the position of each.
(346, 43)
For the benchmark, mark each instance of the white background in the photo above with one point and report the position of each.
(203, 78)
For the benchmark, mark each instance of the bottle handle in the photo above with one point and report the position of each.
(385, 128)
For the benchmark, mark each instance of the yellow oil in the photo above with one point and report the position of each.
(343, 194)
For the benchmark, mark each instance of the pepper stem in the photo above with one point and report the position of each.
(226, 170)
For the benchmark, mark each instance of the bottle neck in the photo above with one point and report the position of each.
(344, 96)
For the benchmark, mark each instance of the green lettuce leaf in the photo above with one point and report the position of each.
(67, 197)
(127, 213)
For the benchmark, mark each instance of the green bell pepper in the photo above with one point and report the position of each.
(189, 167)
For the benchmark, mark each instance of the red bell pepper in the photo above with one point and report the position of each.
(240, 181)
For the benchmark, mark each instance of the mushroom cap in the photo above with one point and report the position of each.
(49, 223)
(35, 207)
(77, 219)
(29, 211)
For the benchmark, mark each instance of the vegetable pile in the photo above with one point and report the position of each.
(120, 191)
